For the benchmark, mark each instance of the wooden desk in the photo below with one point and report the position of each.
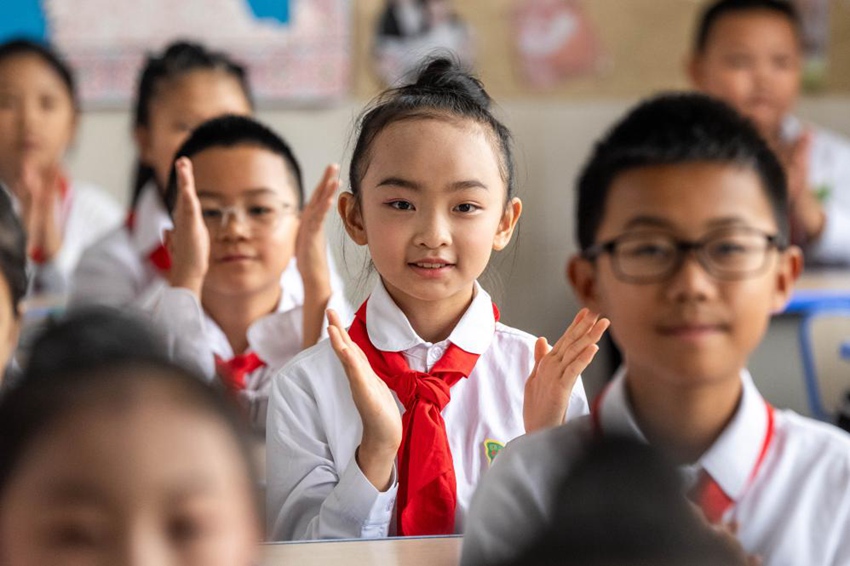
(422, 551)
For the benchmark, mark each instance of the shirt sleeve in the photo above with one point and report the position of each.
(512, 503)
(309, 494)
(177, 313)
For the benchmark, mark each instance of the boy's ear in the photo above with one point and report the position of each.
(352, 218)
(507, 224)
(693, 70)
(788, 271)
(581, 273)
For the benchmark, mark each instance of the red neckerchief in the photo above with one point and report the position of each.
(233, 371)
(427, 492)
(707, 493)
(159, 255)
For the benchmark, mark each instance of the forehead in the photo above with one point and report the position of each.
(203, 92)
(758, 28)
(689, 198)
(30, 69)
(432, 150)
(147, 450)
(234, 171)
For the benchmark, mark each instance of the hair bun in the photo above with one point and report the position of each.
(446, 76)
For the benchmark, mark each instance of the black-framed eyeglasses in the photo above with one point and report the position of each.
(653, 256)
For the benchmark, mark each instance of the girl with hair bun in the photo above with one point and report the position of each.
(386, 428)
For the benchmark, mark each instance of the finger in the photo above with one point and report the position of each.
(579, 363)
(322, 199)
(577, 335)
(187, 196)
(570, 350)
(336, 321)
(580, 315)
(541, 348)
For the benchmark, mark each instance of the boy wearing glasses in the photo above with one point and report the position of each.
(250, 277)
(683, 228)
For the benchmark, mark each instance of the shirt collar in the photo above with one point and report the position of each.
(390, 331)
(267, 334)
(734, 455)
(151, 219)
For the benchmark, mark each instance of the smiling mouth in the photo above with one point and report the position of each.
(430, 265)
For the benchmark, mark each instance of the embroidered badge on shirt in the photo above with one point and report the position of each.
(492, 449)
(823, 192)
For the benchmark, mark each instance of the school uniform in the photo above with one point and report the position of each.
(126, 266)
(315, 489)
(785, 480)
(194, 339)
(85, 214)
(829, 178)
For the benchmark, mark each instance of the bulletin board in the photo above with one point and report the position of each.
(639, 47)
(297, 51)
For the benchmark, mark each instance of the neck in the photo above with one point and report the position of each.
(235, 314)
(433, 321)
(682, 421)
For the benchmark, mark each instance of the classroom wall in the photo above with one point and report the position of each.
(553, 138)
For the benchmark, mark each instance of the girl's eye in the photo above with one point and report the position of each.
(467, 207)
(74, 536)
(184, 530)
(48, 103)
(400, 205)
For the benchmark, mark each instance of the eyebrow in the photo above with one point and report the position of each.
(658, 222)
(414, 186)
(74, 494)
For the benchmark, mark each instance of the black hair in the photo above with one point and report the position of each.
(714, 11)
(177, 60)
(48, 54)
(33, 406)
(673, 129)
(441, 90)
(13, 251)
(234, 131)
(623, 503)
(90, 337)
(91, 357)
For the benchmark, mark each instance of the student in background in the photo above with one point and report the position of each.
(251, 278)
(749, 54)
(129, 461)
(432, 196)
(683, 229)
(178, 89)
(39, 111)
(13, 283)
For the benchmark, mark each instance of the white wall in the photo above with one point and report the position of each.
(553, 139)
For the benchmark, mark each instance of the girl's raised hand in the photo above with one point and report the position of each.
(189, 241)
(556, 370)
(40, 199)
(375, 403)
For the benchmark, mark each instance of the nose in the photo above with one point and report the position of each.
(433, 230)
(234, 224)
(691, 282)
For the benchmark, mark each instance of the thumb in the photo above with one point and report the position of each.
(541, 348)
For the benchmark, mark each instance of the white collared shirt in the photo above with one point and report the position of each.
(795, 511)
(829, 174)
(315, 489)
(194, 339)
(116, 270)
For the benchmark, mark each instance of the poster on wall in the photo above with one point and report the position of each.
(555, 42)
(814, 15)
(298, 51)
(408, 31)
